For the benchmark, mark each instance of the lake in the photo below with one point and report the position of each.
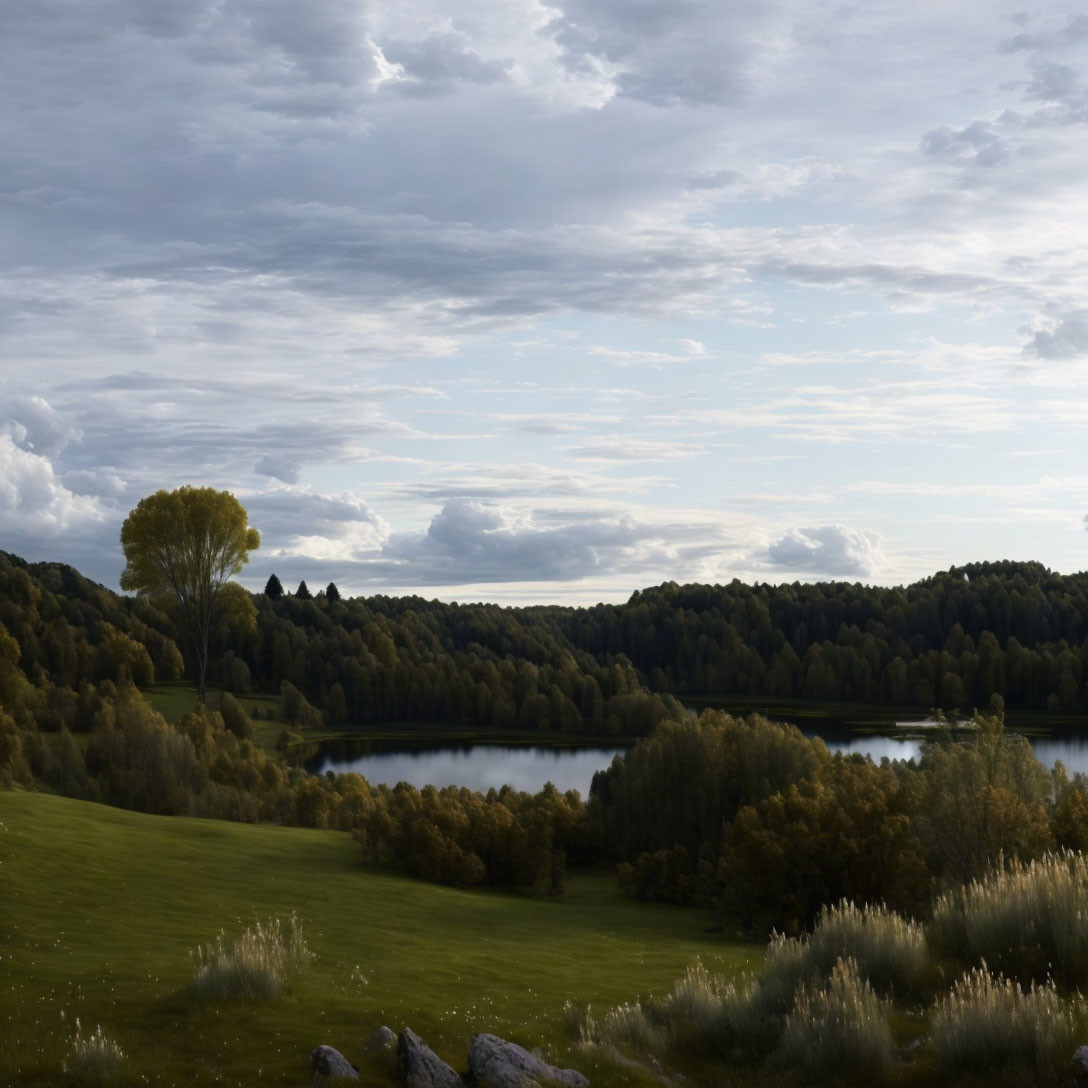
(477, 766)
(529, 767)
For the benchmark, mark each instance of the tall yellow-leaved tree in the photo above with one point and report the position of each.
(184, 546)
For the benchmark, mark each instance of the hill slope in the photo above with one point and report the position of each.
(102, 908)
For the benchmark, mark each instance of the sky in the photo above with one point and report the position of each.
(523, 302)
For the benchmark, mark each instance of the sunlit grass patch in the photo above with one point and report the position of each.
(255, 964)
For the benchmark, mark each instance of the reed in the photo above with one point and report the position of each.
(93, 1058)
(992, 1022)
(253, 965)
(1028, 920)
(838, 1030)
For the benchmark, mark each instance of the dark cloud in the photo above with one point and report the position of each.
(1066, 340)
(278, 467)
(434, 64)
(978, 142)
(827, 549)
(664, 51)
(1054, 82)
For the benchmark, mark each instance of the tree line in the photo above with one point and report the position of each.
(954, 640)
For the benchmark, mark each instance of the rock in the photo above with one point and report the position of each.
(1080, 1065)
(421, 1066)
(495, 1063)
(383, 1039)
(325, 1061)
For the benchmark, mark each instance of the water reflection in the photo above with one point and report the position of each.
(525, 767)
(476, 766)
(876, 747)
(1071, 750)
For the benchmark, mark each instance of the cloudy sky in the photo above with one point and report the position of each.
(547, 302)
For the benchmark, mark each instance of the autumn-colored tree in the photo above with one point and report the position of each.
(184, 546)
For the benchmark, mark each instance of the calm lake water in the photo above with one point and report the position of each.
(526, 767)
(1071, 750)
(477, 766)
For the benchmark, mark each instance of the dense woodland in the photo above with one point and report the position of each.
(745, 817)
(952, 640)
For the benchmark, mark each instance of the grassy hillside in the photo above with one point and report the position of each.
(99, 909)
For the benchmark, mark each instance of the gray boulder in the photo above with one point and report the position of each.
(1080, 1066)
(383, 1039)
(421, 1066)
(325, 1061)
(495, 1063)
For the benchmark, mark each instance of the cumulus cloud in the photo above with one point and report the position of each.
(470, 541)
(35, 426)
(828, 549)
(301, 523)
(34, 502)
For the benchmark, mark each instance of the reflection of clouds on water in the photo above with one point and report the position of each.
(481, 766)
(1072, 751)
(876, 747)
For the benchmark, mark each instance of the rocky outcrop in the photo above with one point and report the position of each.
(384, 1038)
(495, 1063)
(326, 1062)
(421, 1066)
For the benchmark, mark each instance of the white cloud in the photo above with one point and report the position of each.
(828, 549)
(34, 503)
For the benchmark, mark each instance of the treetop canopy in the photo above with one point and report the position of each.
(186, 542)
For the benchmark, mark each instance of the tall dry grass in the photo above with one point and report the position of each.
(837, 1030)
(93, 1058)
(992, 1022)
(1028, 920)
(255, 964)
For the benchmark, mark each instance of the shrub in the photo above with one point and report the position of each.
(988, 1022)
(837, 1030)
(93, 1058)
(693, 1013)
(625, 1027)
(1027, 920)
(253, 965)
(234, 717)
(889, 950)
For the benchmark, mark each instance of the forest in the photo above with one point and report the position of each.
(746, 817)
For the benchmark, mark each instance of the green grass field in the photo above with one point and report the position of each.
(100, 908)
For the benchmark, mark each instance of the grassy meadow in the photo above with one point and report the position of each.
(101, 909)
